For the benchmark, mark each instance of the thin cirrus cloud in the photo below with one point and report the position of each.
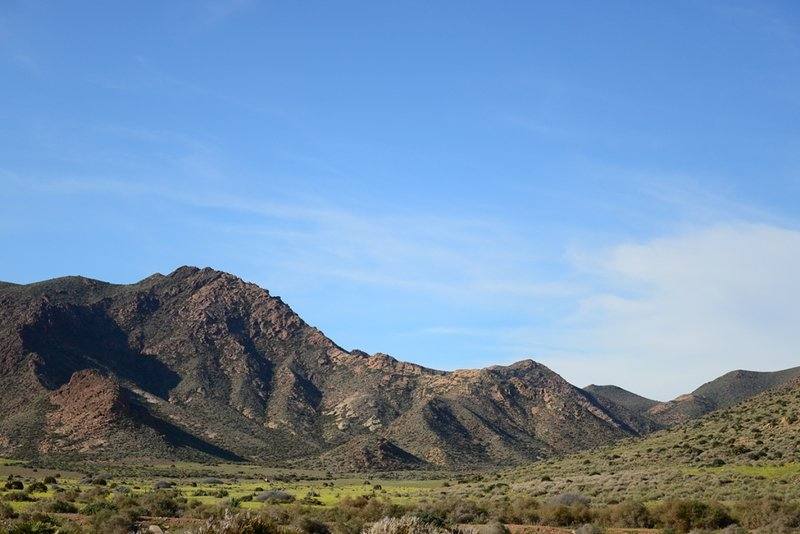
(659, 316)
(468, 259)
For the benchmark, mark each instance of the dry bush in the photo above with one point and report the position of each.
(403, 525)
(771, 513)
(242, 523)
(687, 515)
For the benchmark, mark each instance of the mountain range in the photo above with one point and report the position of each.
(723, 392)
(199, 364)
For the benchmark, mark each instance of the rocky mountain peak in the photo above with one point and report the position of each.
(206, 364)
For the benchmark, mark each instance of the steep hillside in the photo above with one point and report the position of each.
(737, 386)
(744, 451)
(722, 392)
(627, 406)
(201, 364)
(622, 397)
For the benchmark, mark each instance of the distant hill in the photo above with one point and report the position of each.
(722, 392)
(744, 451)
(626, 406)
(631, 401)
(737, 386)
(200, 364)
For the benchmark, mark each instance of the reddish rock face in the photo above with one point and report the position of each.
(87, 408)
(200, 363)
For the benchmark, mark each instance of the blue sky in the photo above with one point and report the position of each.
(610, 188)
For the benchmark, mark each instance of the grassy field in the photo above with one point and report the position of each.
(218, 484)
(522, 498)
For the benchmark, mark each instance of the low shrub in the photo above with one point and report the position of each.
(306, 525)
(163, 503)
(771, 512)
(111, 522)
(37, 487)
(18, 496)
(32, 526)
(403, 525)
(6, 512)
(492, 528)
(686, 515)
(628, 514)
(96, 480)
(242, 523)
(58, 506)
(98, 506)
(565, 516)
(275, 497)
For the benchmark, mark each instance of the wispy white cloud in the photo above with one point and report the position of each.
(27, 63)
(447, 256)
(662, 316)
(769, 20)
(215, 11)
(658, 316)
(682, 309)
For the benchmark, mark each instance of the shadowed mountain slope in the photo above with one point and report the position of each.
(622, 397)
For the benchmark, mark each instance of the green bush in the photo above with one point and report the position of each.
(18, 496)
(685, 515)
(565, 516)
(629, 514)
(403, 525)
(98, 506)
(32, 526)
(307, 525)
(111, 522)
(771, 512)
(37, 487)
(58, 506)
(161, 503)
(6, 512)
(274, 497)
(526, 510)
